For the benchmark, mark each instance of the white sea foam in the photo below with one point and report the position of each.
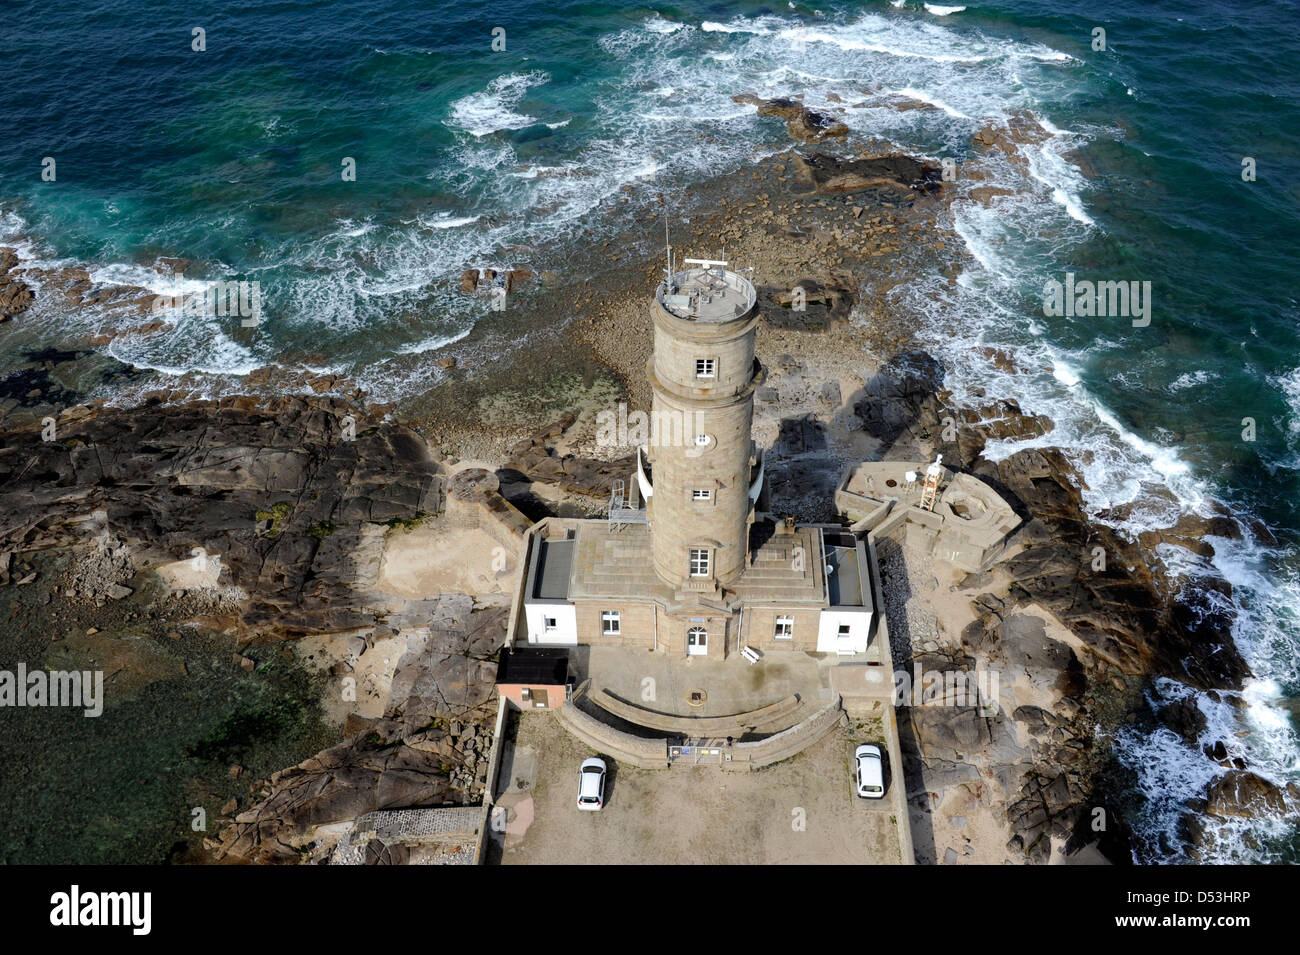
(1192, 379)
(1061, 179)
(140, 276)
(446, 220)
(932, 100)
(1289, 384)
(1134, 482)
(492, 109)
(657, 24)
(196, 343)
(942, 11)
(712, 26)
(434, 343)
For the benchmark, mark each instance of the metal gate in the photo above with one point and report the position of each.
(699, 752)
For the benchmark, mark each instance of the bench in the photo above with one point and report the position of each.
(750, 654)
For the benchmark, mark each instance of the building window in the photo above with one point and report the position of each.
(844, 630)
(610, 623)
(699, 562)
(704, 368)
(703, 440)
(701, 494)
(549, 623)
(784, 628)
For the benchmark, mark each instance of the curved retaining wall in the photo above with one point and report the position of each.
(653, 753)
(696, 726)
(624, 747)
(787, 743)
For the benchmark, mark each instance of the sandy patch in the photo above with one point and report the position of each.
(365, 689)
(434, 558)
(199, 571)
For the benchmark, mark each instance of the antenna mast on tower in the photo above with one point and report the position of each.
(668, 253)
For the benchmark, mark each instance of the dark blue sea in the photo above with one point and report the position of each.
(231, 157)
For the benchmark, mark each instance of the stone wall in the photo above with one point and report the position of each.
(788, 742)
(474, 500)
(636, 621)
(758, 629)
(623, 747)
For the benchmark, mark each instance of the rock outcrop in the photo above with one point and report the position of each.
(534, 458)
(288, 499)
(16, 296)
(809, 305)
(802, 122)
(1127, 622)
(431, 746)
(884, 174)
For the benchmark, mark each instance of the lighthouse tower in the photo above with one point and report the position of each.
(705, 474)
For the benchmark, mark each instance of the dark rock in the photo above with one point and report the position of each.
(172, 478)
(586, 476)
(1185, 718)
(1243, 794)
(887, 175)
(16, 296)
(802, 123)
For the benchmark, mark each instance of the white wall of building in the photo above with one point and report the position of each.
(565, 632)
(858, 620)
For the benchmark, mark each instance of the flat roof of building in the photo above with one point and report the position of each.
(554, 567)
(618, 563)
(548, 666)
(847, 583)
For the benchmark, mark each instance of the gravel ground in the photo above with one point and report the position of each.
(906, 583)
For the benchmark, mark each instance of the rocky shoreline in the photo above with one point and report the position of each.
(267, 521)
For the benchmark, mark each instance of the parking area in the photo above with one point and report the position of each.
(800, 811)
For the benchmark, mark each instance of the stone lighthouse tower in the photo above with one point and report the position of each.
(705, 473)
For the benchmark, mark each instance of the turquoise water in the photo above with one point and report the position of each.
(467, 157)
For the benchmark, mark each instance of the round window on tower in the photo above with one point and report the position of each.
(703, 442)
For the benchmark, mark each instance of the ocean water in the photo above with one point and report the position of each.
(470, 157)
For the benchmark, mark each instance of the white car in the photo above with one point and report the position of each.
(869, 771)
(591, 784)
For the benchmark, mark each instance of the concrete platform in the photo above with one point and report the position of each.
(664, 682)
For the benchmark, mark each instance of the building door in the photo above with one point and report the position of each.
(697, 641)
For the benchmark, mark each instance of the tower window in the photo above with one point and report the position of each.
(703, 440)
(784, 628)
(699, 562)
(705, 368)
(701, 494)
(611, 624)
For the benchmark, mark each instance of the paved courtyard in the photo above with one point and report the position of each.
(800, 811)
(663, 682)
